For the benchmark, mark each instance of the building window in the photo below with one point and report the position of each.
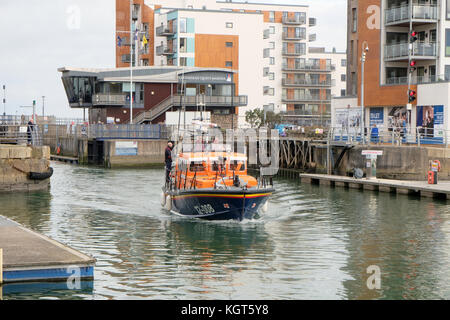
(447, 14)
(229, 44)
(272, 30)
(447, 42)
(268, 91)
(447, 73)
(183, 25)
(182, 44)
(228, 64)
(272, 45)
(354, 20)
(343, 77)
(343, 93)
(433, 35)
(266, 53)
(343, 62)
(271, 76)
(266, 71)
(272, 61)
(271, 16)
(229, 25)
(183, 61)
(351, 52)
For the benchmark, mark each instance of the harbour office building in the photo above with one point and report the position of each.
(406, 40)
(268, 46)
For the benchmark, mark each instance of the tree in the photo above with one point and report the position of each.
(272, 119)
(254, 117)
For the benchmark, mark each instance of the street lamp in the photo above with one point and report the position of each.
(364, 50)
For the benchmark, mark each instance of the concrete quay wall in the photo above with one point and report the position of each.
(397, 162)
(16, 164)
(150, 153)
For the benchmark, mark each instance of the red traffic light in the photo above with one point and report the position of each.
(412, 93)
(412, 63)
(413, 34)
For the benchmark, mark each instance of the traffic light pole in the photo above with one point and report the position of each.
(410, 49)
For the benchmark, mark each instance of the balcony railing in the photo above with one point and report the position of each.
(287, 52)
(104, 99)
(308, 97)
(164, 31)
(419, 12)
(210, 100)
(164, 50)
(416, 79)
(309, 68)
(294, 20)
(419, 49)
(307, 83)
(293, 36)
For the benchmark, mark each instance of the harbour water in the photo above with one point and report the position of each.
(314, 243)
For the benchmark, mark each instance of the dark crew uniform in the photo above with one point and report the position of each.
(168, 160)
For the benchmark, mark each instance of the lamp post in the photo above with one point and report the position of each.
(4, 100)
(43, 106)
(364, 49)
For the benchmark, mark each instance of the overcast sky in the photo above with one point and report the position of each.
(39, 36)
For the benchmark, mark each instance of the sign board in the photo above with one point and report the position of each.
(372, 152)
(23, 129)
(126, 148)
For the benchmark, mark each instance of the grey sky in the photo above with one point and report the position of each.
(39, 36)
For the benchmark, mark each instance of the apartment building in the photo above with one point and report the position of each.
(407, 65)
(266, 45)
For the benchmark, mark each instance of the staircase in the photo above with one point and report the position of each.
(148, 116)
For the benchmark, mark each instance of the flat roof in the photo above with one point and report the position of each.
(265, 4)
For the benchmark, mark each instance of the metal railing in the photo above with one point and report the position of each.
(416, 79)
(296, 20)
(164, 50)
(307, 82)
(20, 135)
(127, 131)
(164, 31)
(422, 49)
(390, 135)
(287, 52)
(309, 67)
(419, 12)
(293, 36)
(109, 99)
(308, 97)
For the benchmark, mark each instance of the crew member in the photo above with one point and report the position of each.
(168, 160)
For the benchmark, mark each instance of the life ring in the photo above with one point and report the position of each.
(168, 205)
(163, 199)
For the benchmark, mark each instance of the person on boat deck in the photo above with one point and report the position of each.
(168, 160)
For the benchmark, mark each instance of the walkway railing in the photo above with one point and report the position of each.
(20, 135)
(390, 135)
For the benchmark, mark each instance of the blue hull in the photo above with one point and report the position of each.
(219, 204)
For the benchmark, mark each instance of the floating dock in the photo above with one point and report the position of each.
(31, 257)
(72, 160)
(418, 188)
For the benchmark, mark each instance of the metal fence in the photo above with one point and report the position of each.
(390, 135)
(20, 135)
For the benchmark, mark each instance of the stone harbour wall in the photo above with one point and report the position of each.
(16, 164)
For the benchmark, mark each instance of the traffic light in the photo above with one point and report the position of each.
(413, 36)
(411, 96)
(363, 59)
(412, 66)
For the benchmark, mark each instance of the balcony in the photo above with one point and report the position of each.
(164, 31)
(308, 98)
(288, 36)
(294, 20)
(420, 14)
(164, 51)
(420, 51)
(312, 22)
(103, 99)
(309, 68)
(415, 80)
(307, 83)
(287, 52)
(210, 101)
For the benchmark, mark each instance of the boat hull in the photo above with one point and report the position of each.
(219, 204)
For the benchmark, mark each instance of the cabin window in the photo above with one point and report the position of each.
(197, 166)
(237, 165)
